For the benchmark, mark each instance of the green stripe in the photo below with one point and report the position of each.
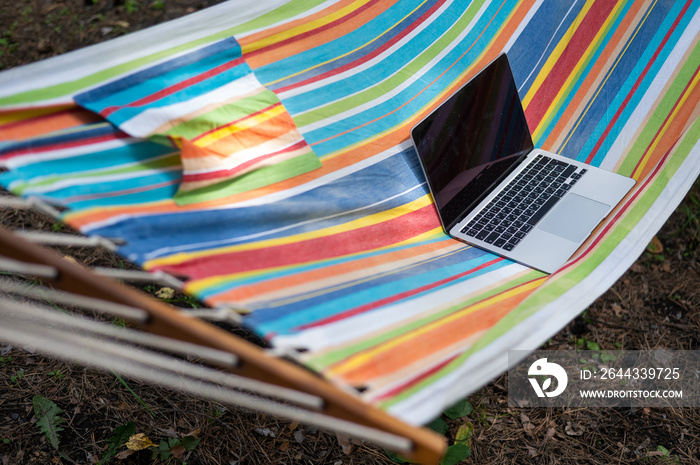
(223, 115)
(253, 180)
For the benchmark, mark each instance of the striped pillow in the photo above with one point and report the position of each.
(209, 104)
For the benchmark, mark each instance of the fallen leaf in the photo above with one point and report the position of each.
(655, 246)
(573, 430)
(531, 451)
(293, 425)
(464, 433)
(139, 441)
(345, 443)
(284, 446)
(265, 432)
(123, 455)
(194, 433)
(299, 436)
(178, 451)
(165, 293)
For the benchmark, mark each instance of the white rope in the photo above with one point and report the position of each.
(18, 267)
(66, 240)
(146, 373)
(8, 201)
(138, 276)
(53, 325)
(74, 300)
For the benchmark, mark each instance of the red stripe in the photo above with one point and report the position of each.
(313, 32)
(232, 123)
(241, 167)
(175, 88)
(359, 240)
(367, 57)
(65, 145)
(395, 298)
(637, 83)
(577, 46)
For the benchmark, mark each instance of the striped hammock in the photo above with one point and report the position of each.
(347, 264)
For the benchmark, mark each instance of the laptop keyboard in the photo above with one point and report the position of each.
(511, 215)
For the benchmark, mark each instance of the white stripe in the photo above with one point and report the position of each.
(70, 152)
(148, 121)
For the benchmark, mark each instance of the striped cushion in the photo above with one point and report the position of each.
(208, 104)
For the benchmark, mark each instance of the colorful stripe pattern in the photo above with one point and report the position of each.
(209, 105)
(349, 262)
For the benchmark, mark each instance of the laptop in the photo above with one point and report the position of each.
(493, 189)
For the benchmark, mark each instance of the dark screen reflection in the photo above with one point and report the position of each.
(461, 144)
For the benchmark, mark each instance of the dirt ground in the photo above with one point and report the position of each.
(656, 304)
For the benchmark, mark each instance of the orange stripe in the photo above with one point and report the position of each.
(247, 138)
(21, 124)
(430, 342)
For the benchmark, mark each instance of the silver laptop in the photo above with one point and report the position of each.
(495, 190)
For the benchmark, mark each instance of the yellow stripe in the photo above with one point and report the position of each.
(345, 54)
(576, 73)
(242, 125)
(666, 125)
(282, 36)
(556, 54)
(607, 76)
(351, 225)
(367, 356)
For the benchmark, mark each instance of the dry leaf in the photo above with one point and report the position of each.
(345, 443)
(573, 430)
(178, 451)
(194, 433)
(123, 455)
(139, 441)
(284, 446)
(655, 246)
(299, 436)
(165, 293)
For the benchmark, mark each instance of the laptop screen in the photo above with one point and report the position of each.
(472, 140)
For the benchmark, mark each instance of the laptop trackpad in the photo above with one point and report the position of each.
(574, 217)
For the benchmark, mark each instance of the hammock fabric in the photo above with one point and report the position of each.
(348, 263)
